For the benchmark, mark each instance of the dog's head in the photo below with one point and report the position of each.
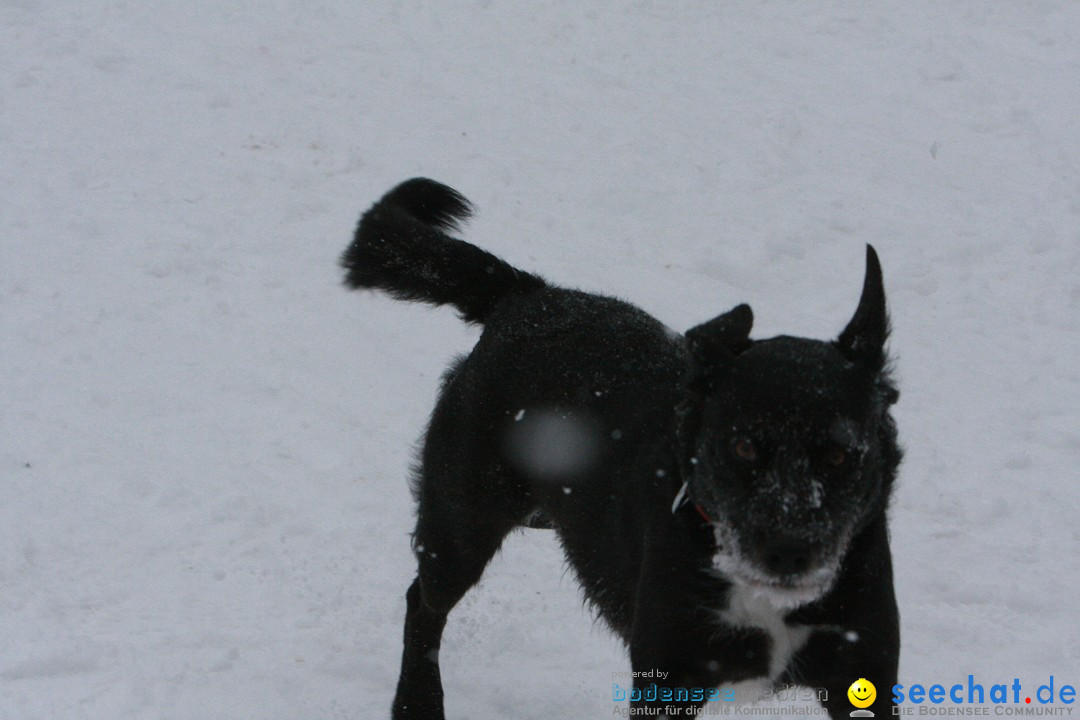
(789, 446)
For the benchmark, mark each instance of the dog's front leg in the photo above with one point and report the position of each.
(674, 692)
(681, 652)
(678, 673)
(857, 634)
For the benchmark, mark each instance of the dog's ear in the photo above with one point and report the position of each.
(863, 340)
(721, 338)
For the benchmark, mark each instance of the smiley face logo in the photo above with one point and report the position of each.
(862, 693)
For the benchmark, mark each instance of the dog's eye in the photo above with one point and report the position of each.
(834, 457)
(744, 449)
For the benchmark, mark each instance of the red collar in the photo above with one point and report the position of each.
(702, 513)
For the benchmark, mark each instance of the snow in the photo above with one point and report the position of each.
(205, 440)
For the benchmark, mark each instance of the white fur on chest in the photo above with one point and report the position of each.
(751, 609)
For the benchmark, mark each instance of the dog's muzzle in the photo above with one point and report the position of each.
(787, 572)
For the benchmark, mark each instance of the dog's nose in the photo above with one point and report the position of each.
(787, 557)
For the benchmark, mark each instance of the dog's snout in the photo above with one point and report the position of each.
(787, 557)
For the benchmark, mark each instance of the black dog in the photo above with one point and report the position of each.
(721, 500)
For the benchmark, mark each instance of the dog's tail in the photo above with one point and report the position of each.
(402, 247)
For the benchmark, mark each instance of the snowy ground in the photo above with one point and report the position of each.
(203, 511)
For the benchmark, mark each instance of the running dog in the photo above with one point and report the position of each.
(721, 499)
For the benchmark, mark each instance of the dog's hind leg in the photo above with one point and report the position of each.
(456, 535)
(419, 690)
